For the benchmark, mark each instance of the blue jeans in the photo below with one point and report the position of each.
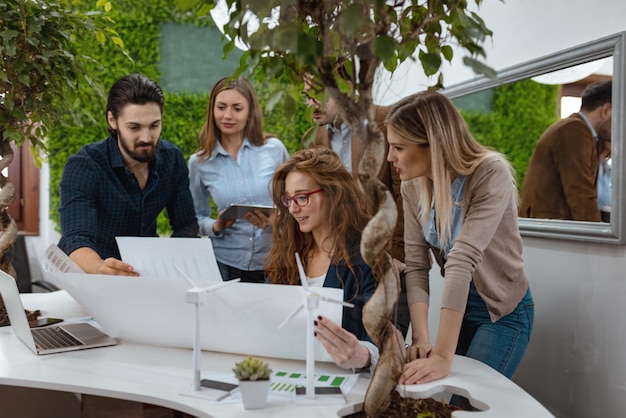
(499, 344)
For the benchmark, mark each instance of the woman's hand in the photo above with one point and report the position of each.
(221, 224)
(342, 346)
(424, 370)
(418, 350)
(259, 219)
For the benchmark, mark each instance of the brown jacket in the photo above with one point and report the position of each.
(387, 174)
(562, 175)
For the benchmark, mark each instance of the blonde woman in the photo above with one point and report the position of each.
(460, 206)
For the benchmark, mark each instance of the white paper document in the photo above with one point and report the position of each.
(240, 318)
(152, 308)
(55, 260)
(167, 258)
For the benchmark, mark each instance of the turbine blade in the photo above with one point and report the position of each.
(340, 302)
(292, 314)
(303, 280)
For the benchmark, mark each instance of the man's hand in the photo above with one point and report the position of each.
(90, 262)
(116, 267)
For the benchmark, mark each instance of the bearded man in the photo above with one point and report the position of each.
(118, 186)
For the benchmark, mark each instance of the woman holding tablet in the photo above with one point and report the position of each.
(234, 165)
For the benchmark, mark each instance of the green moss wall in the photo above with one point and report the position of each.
(511, 118)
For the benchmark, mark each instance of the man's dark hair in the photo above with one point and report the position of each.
(132, 89)
(596, 94)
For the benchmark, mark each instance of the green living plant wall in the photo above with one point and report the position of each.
(520, 112)
(139, 24)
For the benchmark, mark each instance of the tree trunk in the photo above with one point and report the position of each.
(378, 311)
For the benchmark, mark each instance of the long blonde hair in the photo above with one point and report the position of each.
(430, 118)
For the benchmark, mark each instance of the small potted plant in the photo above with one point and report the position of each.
(254, 381)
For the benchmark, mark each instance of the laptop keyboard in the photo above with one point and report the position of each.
(54, 337)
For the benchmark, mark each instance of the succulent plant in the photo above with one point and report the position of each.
(252, 368)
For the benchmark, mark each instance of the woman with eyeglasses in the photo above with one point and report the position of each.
(234, 165)
(320, 214)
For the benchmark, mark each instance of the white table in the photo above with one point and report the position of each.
(157, 375)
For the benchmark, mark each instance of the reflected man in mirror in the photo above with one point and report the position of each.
(562, 177)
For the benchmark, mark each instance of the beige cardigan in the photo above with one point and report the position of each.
(487, 249)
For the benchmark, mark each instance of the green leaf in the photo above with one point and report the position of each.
(10, 49)
(12, 134)
(285, 37)
(273, 100)
(290, 107)
(228, 48)
(447, 52)
(8, 103)
(186, 5)
(352, 18)
(118, 41)
(205, 9)
(24, 79)
(100, 36)
(310, 135)
(384, 47)
(430, 62)
(480, 68)
(8, 34)
(391, 64)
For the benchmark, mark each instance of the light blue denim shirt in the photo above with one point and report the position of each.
(431, 235)
(245, 180)
(604, 174)
(604, 185)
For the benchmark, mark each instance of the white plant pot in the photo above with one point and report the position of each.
(254, 393)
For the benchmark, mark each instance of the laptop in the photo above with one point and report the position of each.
(50, 339)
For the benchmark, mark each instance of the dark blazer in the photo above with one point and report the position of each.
(357, 287)
(387, 174)
(562, 175)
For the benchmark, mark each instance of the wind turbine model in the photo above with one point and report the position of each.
(207, 389)
(311, 301)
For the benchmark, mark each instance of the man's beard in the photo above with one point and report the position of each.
(144, 156)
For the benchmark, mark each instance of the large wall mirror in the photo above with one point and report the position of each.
(555, 81)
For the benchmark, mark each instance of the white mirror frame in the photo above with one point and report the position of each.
(615, 46)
